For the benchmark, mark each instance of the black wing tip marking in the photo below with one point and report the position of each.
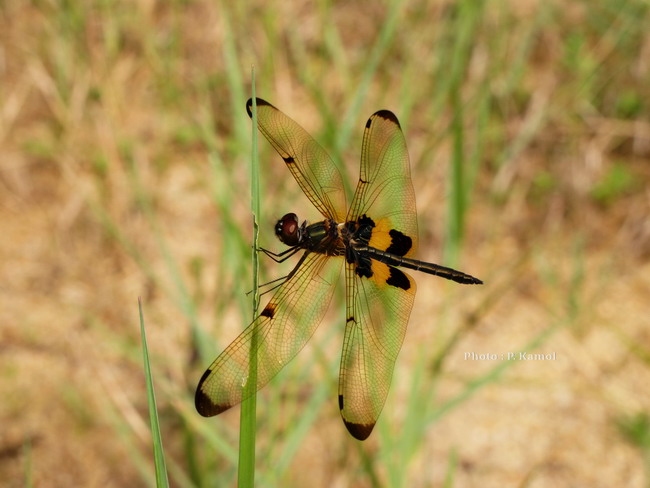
(359, 431)
(259, 101)
(387, 115)
(204, 405)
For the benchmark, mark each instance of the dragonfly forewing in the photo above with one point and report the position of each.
(309, 163)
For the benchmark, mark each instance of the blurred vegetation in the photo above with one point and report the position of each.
(125, 172)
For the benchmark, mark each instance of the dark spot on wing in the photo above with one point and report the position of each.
(388, 115)
(359, 431)
(364, 220)
(340, 402)
(260, 102)
(400, 243)
(204, 405)
(289, 159)
(364, 266)
(204, 377)
(398, 279)
(269, 311)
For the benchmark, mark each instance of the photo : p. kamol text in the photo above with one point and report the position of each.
(510, 356)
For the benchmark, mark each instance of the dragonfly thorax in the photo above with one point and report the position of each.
(322, 237)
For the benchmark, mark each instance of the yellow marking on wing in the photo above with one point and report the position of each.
(380, 239)
(380, 273)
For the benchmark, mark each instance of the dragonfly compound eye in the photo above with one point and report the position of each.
(288, 229)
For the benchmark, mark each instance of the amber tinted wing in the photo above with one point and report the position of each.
(385, 191)
(282, 329)
(308, 162)
(378, 305)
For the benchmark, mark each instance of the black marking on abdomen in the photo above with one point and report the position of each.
(398, 279)
(400, 243)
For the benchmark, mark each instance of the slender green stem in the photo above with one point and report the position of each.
(247, 429)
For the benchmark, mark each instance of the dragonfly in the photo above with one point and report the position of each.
(374, 240)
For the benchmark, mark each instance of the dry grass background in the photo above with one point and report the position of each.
(124, 150)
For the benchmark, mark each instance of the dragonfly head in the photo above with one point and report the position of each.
(288, 230)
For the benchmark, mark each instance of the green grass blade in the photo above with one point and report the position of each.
(247, 426)
(158, 452)
(469, 17)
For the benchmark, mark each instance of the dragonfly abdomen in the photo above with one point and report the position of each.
(425, 267)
